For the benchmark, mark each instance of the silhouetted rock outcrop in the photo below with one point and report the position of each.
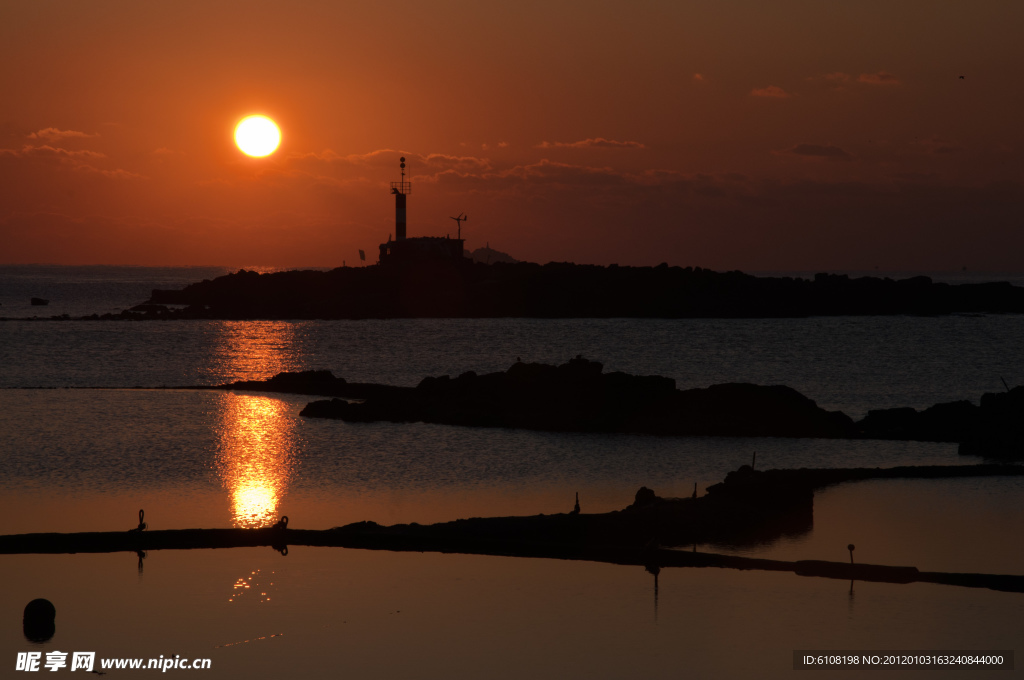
(321, 383)
(578, 396)
(1000, 431)
(995, 429)
(300, 382)
(489, 255)
(564, 290)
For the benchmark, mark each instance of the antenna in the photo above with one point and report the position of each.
(459, 220)
(402, 187)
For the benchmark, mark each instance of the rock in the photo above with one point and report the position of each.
(567, 290)
(578, 396)
(298, 382)
(149, 308)
(1000, 430)
(643, 497)
(947, 422)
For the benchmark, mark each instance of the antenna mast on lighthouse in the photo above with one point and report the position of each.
(400, 190)
(459, 220)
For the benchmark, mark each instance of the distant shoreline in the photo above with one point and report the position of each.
(557, 290)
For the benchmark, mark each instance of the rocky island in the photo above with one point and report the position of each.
(562, 290)
(579, 396)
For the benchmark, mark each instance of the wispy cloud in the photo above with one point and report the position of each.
(52, 134)
(47, 151)
(81, 159)
(772, 92)
(880, 78)
(389, 158)
(595, 142)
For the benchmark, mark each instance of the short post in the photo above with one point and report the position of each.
(851, 548)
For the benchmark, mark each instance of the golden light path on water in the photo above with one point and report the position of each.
(257, 439)
(256, 457)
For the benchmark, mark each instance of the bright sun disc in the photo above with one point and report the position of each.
(257, 136)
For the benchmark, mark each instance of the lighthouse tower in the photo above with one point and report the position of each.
(400, 190)
(420, 250)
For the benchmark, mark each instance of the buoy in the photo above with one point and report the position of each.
(38, 621)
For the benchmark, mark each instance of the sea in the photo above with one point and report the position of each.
(90, 434)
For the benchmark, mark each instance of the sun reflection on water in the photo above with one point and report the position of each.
(257, 445)
(256, 456)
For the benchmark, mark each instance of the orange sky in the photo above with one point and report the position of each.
(719, 133)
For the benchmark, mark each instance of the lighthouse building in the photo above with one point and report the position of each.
(405, 250)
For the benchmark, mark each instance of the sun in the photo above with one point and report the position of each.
(257, 136)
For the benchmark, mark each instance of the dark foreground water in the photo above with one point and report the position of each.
(88, 459)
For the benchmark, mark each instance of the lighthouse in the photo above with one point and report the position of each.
(420, 250)
(400, 190)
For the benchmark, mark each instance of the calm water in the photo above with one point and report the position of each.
(87, 459)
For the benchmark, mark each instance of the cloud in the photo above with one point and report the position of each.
(389, 158)
(772, 91)
(47, 151)
(827, 152)
(502, 145)
(82, 159)
(880, 78)
(595, 142)
(52, 134)
(698, 78)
